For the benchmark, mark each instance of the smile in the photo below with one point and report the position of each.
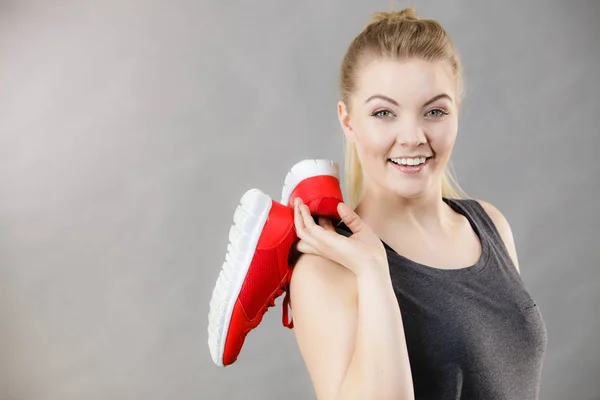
(410, 165)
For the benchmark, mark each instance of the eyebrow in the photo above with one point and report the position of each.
(394, 102)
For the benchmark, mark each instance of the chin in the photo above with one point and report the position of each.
(412, 193)
(410, 190)
(411, 186)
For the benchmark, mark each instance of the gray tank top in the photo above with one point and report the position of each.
(473, 333)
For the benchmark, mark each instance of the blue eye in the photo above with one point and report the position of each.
(437, 112)
(382, 113)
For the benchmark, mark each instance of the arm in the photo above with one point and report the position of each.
(349, 331)
(503, 228)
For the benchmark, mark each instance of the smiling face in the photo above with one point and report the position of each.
(403, 120)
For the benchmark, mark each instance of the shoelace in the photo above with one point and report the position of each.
(287, 322)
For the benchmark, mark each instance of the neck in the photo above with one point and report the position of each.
(387, 214)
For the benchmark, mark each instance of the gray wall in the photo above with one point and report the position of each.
(129, 130)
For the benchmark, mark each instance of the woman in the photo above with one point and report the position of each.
(416, 294)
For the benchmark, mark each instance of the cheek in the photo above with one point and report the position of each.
(373, 139)
(442, 139)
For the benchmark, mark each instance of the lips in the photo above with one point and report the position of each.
(410, 169)
(409, 161)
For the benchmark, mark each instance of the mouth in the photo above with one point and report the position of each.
(410, 165)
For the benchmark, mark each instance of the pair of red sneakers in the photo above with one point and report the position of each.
(257, 267)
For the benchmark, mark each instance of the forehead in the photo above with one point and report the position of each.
(407, 80)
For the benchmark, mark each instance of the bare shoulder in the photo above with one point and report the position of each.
(324, 302)
(503, 228)
(316, 270)
(314, 276)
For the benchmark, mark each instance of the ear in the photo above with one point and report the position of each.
(344, 118)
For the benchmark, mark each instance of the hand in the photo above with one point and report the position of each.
(359, 251)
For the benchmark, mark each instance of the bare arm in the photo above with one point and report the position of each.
(349, 330)
(380, 367)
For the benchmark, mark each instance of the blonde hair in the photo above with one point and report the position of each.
(398, 34)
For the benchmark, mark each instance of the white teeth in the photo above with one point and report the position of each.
(409, 161)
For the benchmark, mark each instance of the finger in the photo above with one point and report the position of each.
(298, 219)
(350, 218)
(313, 229)
(322, 235)
(303, 247)
(309, 221)
(303, 231)
(326, 224)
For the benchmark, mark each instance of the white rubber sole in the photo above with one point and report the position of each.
(307, 169)
(248, 222)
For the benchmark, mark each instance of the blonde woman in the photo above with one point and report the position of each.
(417, 293)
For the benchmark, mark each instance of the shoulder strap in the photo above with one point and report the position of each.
(481, 218)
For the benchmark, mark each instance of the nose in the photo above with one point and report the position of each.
(411, 134)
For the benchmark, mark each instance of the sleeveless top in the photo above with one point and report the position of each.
(472, 333)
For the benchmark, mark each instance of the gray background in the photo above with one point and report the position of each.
(130, 129)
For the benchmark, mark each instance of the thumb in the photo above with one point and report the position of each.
(350, 218)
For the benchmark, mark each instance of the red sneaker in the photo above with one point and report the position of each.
(254, 274)
(317, 183)
(256, 269)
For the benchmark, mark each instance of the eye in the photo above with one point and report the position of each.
(437, 113)
(382, 114)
